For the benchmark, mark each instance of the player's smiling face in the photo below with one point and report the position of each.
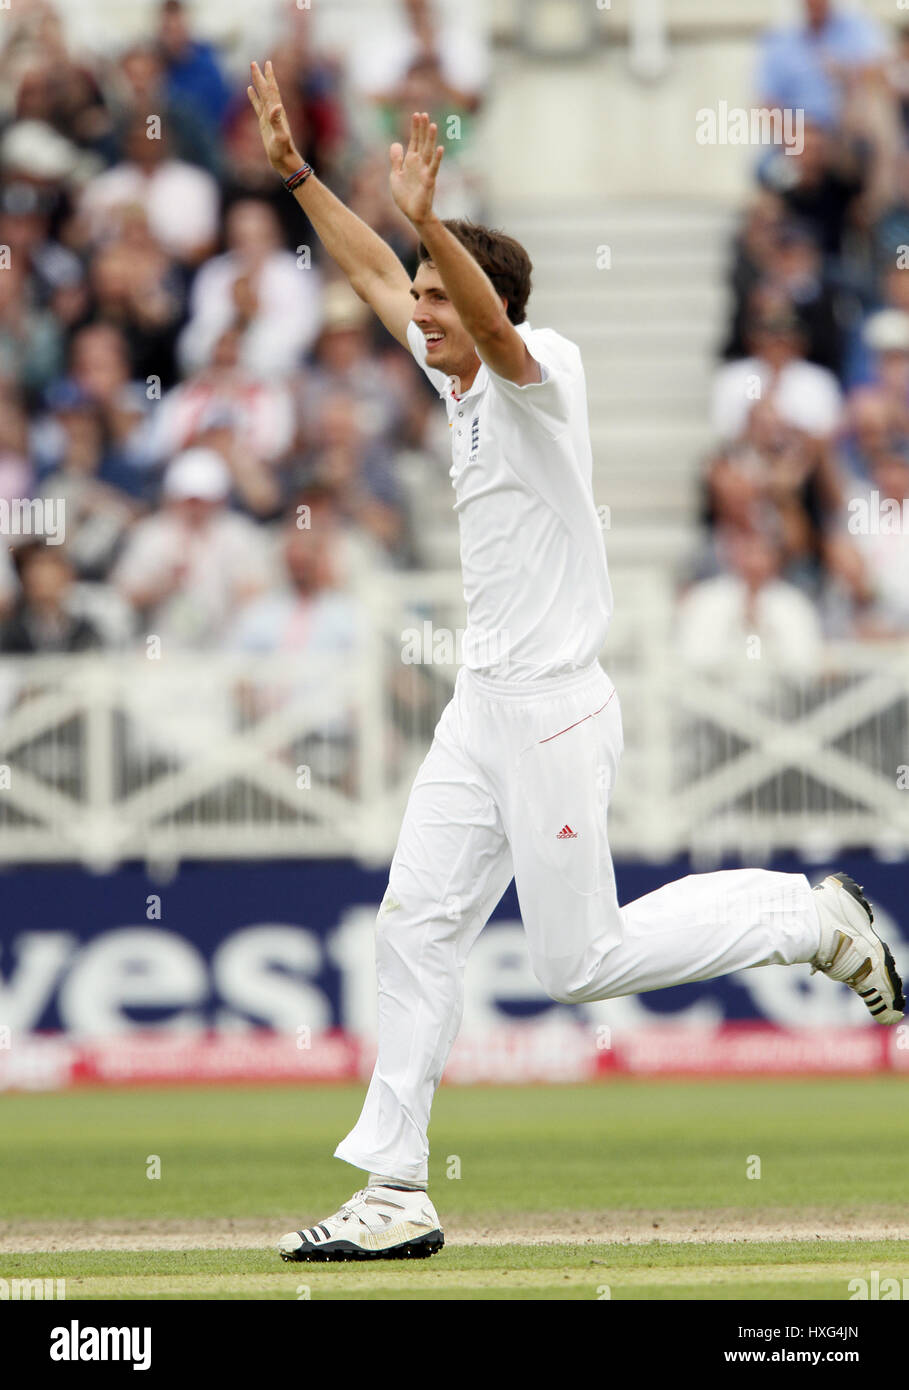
(449, 347)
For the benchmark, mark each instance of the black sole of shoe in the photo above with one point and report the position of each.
(346, 1250)
(855, 890)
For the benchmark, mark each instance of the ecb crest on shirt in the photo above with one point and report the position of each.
(474, 438)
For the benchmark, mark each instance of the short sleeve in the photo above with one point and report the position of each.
(549, 401)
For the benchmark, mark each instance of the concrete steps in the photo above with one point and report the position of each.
(648, 327)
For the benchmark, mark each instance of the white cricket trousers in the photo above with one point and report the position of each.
(517, 784)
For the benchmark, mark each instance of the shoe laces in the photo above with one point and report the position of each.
(357, 1205)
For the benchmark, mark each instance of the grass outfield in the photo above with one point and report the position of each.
(761, 1270)
(599, 1173)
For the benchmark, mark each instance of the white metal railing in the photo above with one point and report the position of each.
(109, 757)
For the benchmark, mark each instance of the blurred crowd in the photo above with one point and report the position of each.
(232, 431)
(806, 497)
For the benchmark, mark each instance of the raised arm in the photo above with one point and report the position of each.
(369, 263)
(413, 180)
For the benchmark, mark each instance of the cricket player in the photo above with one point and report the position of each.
(519, 775)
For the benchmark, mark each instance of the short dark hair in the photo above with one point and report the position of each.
(504, 260)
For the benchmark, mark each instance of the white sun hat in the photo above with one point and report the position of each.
(200, 473)
(887, 331)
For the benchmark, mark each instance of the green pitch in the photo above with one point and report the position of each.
(603, 1174)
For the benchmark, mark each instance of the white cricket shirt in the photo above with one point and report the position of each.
(532, 553)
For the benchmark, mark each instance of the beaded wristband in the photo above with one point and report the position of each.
(299, 177)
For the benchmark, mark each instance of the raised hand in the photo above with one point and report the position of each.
(283, 155)
(413, 173)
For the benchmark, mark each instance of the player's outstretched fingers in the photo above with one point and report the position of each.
(259, 82)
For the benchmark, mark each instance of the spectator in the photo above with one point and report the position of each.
(144, 92)
(180, 200)
(310, 618)
(422, 457)
(749, 615)
(735, 499)
(43, 619)
(15, 465)
(273, 300)
(191, 65)
(804, 395)
(188, 569)
(787, 256)
(344, 361)
(886, 336)
(27, 210)
(99, 364)
(31, 347)
(890, 233)
(820, 185)
(775, 479)
(814, 66)
(54, 88)
(134, 286)
(872, 426)
(98, 512)
(798, 272)
(891, 291)
(358, 473)
(439, 37)
(752, 255)
(309, 612)
(877, 527)
(252, 421)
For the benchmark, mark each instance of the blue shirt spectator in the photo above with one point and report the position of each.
(798, 67)
(191, 66)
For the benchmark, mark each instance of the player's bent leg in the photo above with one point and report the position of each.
(708, 925)
(584, 947)
(697, 928)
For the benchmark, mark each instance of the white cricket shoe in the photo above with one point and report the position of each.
(378, 1223)
(851, 951)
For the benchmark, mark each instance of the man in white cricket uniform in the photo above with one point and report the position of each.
(518, 779)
